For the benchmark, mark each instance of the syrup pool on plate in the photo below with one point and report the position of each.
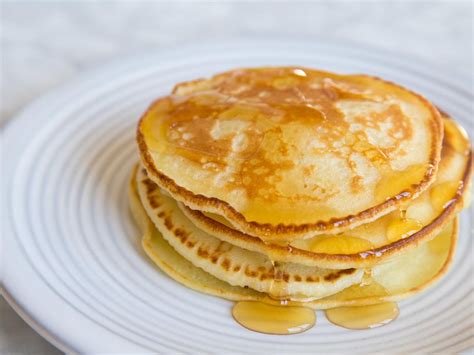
(285, 320)
(289, 317)
(270, 319)
(363, 317)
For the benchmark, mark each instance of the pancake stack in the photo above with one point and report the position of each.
(292, 185)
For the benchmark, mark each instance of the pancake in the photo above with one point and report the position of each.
(232, 264)
(376, 241)
(383, 284)
(173, 264)
(289, 153)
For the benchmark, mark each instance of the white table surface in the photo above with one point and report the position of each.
(44, 44)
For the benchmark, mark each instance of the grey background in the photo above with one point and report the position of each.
(45, 43)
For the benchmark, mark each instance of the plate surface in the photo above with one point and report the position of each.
(73, 265)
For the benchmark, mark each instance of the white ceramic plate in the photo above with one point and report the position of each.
(73, 266)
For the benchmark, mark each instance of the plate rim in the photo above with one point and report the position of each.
(36, 326)
(11, 128)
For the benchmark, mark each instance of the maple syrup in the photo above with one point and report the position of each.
(343, 244)
(187, 124)
(249, 116)
(443, 194)
(279, 286)
(461, 142)
(368, 288)
(442, 242)
(398, 183)
(400, 228)
(363, 317)
(270, 319)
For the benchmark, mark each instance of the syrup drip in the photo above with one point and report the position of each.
(269, 319)
(403, 213)
(363, 317)
(279, 286)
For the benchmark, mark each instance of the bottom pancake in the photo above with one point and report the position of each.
(235, 265)
(399, 279)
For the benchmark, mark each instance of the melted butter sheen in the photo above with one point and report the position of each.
(264, 318)
(363, 317)
(400, 228)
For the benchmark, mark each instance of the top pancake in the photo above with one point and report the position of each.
(288, 153)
